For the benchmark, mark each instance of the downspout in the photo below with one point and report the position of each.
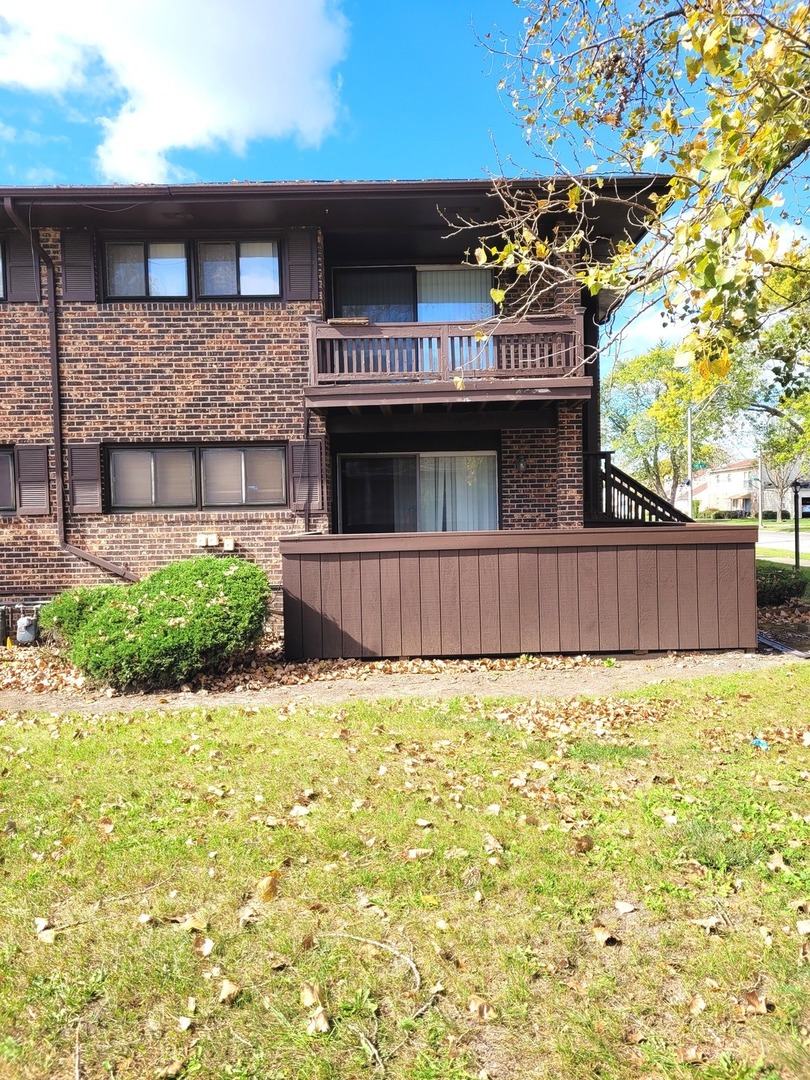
(56, 402)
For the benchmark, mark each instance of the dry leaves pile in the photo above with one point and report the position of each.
(577, 718)
(44, 671)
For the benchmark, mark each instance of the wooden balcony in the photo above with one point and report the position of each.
(354, 363)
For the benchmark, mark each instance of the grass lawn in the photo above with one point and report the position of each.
(783, 553)
(443, 891)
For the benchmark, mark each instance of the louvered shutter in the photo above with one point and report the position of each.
(84, 478)
(307, 479)
(78, 266)
(31, 465)
(302, 265)
(22, 268)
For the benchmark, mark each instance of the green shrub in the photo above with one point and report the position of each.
(769, 515)
(721, 515)
(785, 515)
(777, 584)
(64, 615)
(188, 617)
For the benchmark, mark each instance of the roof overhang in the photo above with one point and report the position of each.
(478, 391)
(404, 219)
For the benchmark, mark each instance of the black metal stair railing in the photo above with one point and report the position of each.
(612, 497)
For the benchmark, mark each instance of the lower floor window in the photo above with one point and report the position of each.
(418, 493)
(7, 480)
(180, 478)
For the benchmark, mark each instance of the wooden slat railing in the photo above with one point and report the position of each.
(612, 497)
(540, 347)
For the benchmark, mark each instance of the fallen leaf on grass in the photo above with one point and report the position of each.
(624, 907)
(311, 995)
(105, 828)
(415, 853)
(267, 889)
(803, 927)
(480, 1008)
(318, 1022)
(604, 936)
(197, 920)
(753, 1003)
(776, 862)
(172, 1070)
(696, 1005)
(203, 946)
(711, 925)
(583, 844)
(228, 992)
(633, 1036)
(184, 1023)
(690, 1055)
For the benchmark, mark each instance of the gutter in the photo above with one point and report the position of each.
(56, 401)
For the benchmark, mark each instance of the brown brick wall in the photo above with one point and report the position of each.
(544, 494)
(174, 372)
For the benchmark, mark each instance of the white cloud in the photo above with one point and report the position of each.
(183, 74)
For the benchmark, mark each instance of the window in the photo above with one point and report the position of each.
(236, 476)
(152, 478)
(7, 501)
(180, 478)
(418, 492)
(238, 268)
(2, 275)
(457, 294)
(146, 269)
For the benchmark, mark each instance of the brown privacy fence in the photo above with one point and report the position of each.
(500, 593)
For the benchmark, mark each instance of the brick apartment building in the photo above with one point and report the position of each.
(226, 367)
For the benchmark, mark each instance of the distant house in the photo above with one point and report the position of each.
(735, 488)
(308, 375)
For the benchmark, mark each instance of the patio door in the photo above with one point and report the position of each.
(449, 492)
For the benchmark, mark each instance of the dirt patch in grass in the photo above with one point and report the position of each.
(40, 679)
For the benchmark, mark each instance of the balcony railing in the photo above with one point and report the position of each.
(343, 352)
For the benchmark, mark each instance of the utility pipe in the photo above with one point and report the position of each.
(56, 401)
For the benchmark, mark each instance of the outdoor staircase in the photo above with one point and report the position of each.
(612, 497)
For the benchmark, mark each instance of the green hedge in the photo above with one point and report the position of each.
(186, 618)
(777, 584)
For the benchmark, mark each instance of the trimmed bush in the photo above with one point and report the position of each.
(188, 617)
(769, 515)
(777, 584)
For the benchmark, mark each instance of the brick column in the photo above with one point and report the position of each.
(570, 480)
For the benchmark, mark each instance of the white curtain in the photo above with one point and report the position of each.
(457, 493)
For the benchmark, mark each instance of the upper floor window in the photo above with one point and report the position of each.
(420, 294)
(7, 501)
(137, 269)
(238, 268)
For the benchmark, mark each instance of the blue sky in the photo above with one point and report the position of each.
(172, 90)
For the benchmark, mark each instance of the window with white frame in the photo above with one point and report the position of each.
(197, 477)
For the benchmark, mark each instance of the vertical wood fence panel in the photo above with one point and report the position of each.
(502, 593)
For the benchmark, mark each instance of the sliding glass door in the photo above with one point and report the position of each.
(454, 492)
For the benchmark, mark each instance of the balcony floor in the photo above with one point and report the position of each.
(472, 391)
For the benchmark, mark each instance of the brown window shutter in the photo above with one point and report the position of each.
(78, 266)
(31, 466)
(302, 265)
(22, 269)
(307, 479)
(84, 478)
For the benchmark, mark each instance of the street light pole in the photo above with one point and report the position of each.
(689, 459)
(796, 485)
